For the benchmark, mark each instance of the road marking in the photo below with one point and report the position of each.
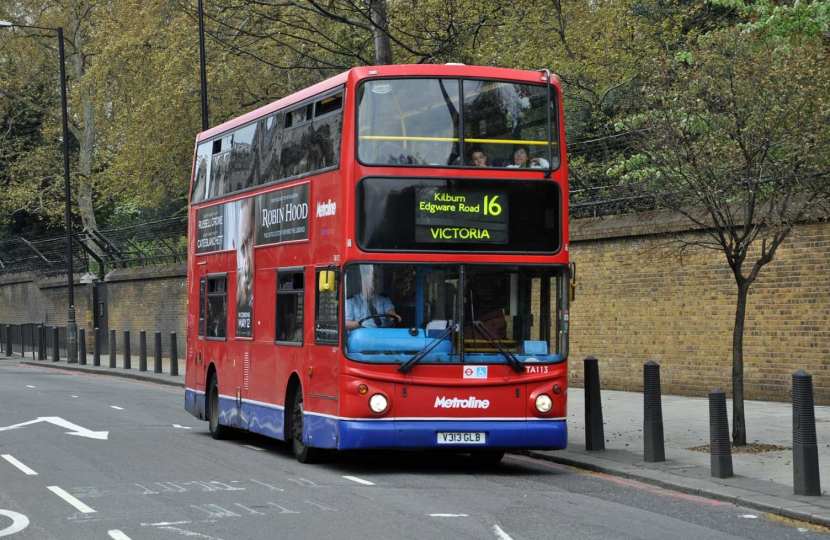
(115, 534)
(71, 500)
(74, 396)
(58, 421)
(19, 465)
(180, 427)
(19, 522)
(116, 407)
(258, 449)
(449, 515)
(165, 523)
(500, 534)
(284, 510)
(184, 532)
(30, 386)
(251, 510)
(749, 516)
(320, 506)
(269, 486)
(359, 480)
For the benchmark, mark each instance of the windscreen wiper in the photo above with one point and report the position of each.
(496, 342)
(406, 366)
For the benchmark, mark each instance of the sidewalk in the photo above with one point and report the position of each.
(160, 378)
(763, 481)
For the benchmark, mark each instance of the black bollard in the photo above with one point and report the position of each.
(128, 363)
(96, 350)
(55, 345)
(82, 346)
(174, 356)
(41, 343)
(806, 480)
(112, 348)
(8, 340)
(157, 363)
(720, 447)
(142, 351)
(594, 430)
(654, 449)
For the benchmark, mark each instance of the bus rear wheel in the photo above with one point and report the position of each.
(217, 430)
(487, 457)
(303, 452)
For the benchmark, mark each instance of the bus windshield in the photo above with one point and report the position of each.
(393, 311)
(418, 122)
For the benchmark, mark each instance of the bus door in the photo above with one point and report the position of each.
(324, 360)
(198, 357)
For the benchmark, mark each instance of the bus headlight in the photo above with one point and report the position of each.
(544, 403)
(378, 403)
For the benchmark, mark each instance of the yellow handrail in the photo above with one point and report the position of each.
(453, 139)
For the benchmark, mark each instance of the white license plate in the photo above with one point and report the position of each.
(460, 437)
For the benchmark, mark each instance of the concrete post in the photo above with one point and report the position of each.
(720, 447)
(128, 363)
(157, 363)
(56, 355)
(96, 351)
(654, 449)
(806, 479)
(142, 351)
(174, 356)
(594, 430)
(82, 346)
(112, 348)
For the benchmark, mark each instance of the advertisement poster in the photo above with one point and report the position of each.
(282, 215)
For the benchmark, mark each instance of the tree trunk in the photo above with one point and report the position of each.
(83, 181)
(383, 47)
(738, 420)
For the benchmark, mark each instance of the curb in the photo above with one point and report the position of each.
(125, 374)
(741, 497)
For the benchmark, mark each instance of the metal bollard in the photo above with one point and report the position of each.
(128, 362)
(96, 348)
(55, 345)
(8, 340)
(174, 356)
(142, 351)
(82, 346)
(806, 479)
(654, 449)
(157, 363)
(112, 348)
(594, 430)
(720, 447)
(41, 343)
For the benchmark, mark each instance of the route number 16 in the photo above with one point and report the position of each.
(491, 207)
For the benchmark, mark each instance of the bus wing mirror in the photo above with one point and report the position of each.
(326, 283)
(572, 284)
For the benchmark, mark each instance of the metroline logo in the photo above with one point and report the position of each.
(325, 209)
(455, 403)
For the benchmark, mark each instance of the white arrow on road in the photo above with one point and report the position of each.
(74, 429)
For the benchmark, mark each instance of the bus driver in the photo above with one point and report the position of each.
(367, 303)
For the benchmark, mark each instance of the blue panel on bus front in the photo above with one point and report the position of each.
(388, 344)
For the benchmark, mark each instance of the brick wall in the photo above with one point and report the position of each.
(25, 298)
(640, 299)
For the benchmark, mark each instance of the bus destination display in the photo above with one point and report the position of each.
(461, 215)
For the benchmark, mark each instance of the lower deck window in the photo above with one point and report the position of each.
(217, 307)
(290, 309)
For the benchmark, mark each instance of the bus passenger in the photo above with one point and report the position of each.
(522, 159)
(477, 157)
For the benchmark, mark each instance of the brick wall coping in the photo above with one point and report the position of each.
(54, 282)
(642, 224)
(162, 271)
(12, 279)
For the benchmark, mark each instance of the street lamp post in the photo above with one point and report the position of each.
(71, 326)
(205, 120)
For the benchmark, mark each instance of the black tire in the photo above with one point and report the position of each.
(217, 430)
(303, 452)
(487, 458)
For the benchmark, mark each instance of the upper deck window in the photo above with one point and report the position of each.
(418, 122)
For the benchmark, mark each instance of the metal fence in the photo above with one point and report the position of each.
(25, 339)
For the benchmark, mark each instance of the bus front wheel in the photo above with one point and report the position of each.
(217, 430)
(303, 452)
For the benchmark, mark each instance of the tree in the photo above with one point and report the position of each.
(737, 139)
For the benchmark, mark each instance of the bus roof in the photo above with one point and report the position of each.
(364, 72)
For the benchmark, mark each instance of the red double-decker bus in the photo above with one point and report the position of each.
(381, 261)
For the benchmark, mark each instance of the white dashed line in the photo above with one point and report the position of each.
(115, 534)
(254, 448)
(500, 534)
(71, 500)
(19, 465)
(359, 480)
(117, 408)
(30, 386)
(74, 396)
(749, 516)
(449, 515)
(180, 427)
